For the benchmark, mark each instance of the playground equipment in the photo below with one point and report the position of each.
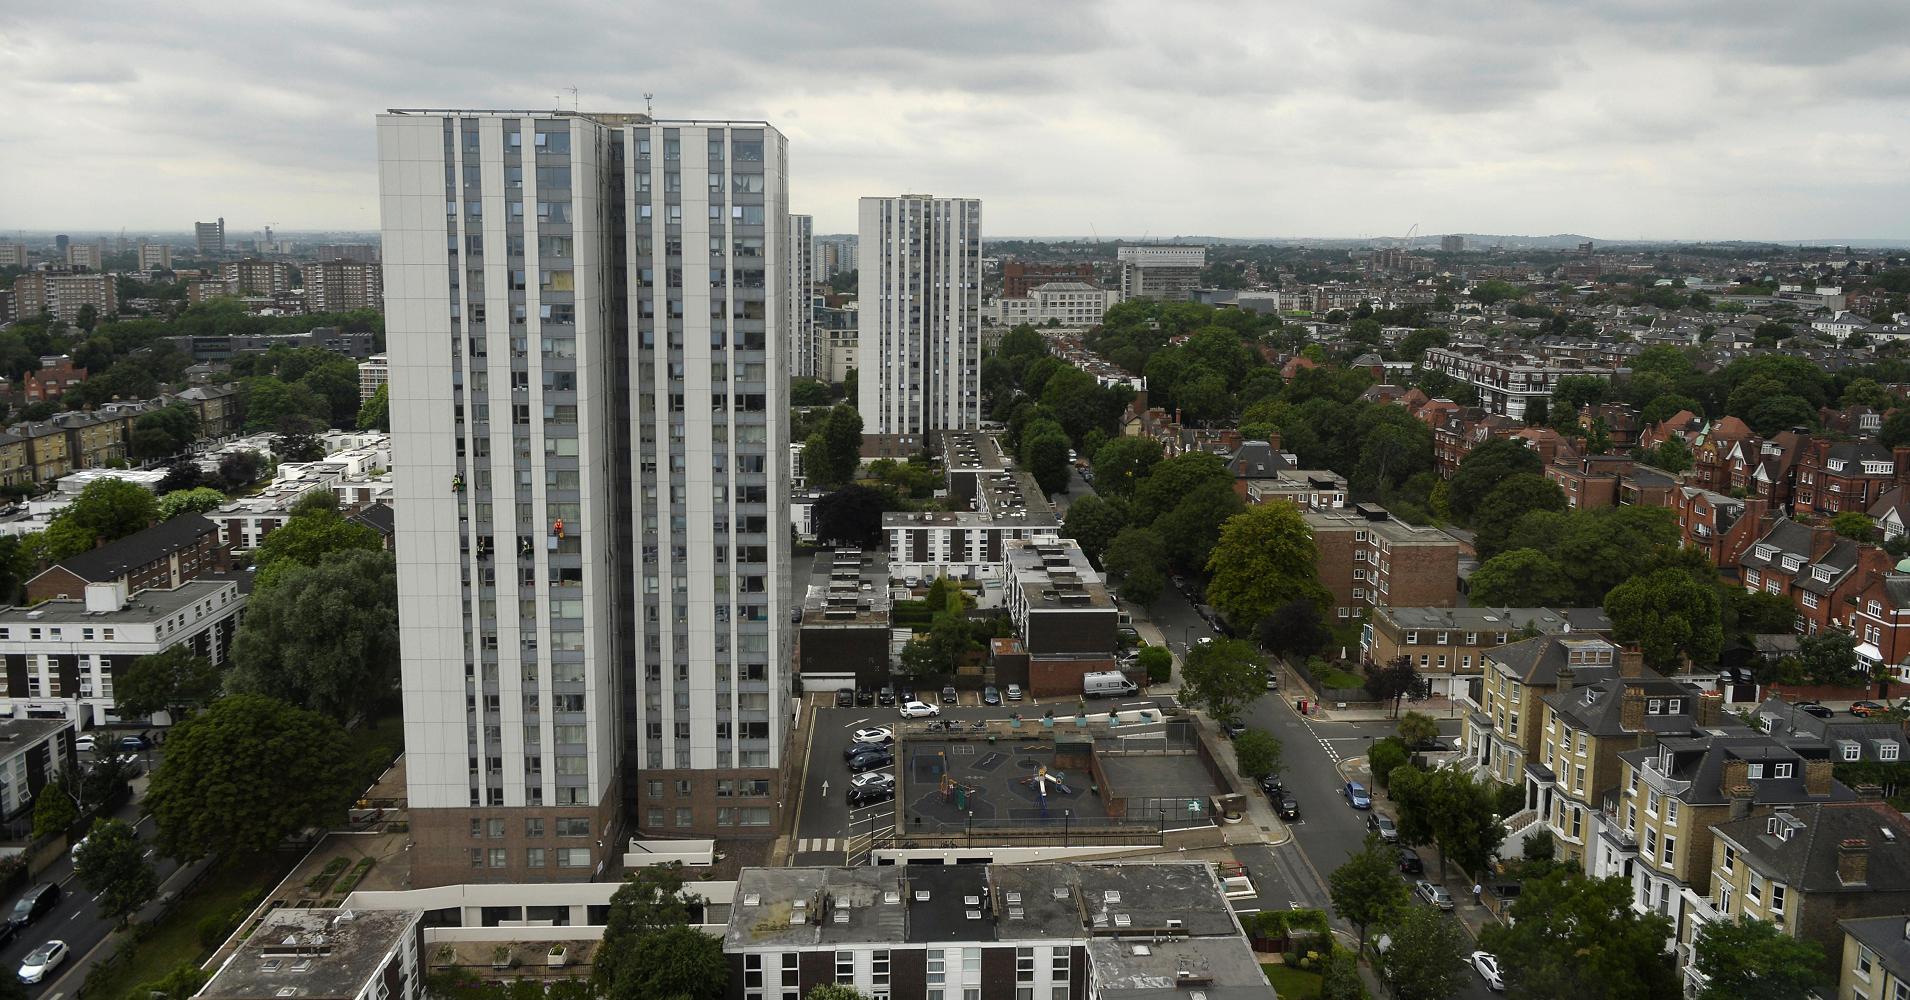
(1039, 782)
(955, 792)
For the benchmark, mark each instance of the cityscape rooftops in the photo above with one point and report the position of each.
(1053, 573)
(141, 606)
(848, 586)
(1545, 621)
(315, 954)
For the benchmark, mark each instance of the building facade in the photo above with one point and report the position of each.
(1020, 278)
(919, 314)
(1064, 303)
(209, 236)
(64, 294)
(1367, 558)
(799, 314)
(154, 256)
(1165, 273)
(589, 448)
(344, 285)
(373, 372)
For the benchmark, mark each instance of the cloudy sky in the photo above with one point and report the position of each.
(1690, 119)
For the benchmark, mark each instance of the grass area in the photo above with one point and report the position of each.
(224, 892)
(1292, 984)
(1334, 677)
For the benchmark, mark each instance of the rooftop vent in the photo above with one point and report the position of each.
(1111, 896)
(752, 899)
(1016, 913)
(971, 901)
(1061, 892)
(1013, 897)
(891, 896)
(842, 915)
(974, 914)
(1143, 950)
(1123, 920)
(921, 895)
(798, 904)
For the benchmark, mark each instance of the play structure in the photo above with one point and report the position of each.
(1040, 780)
(955, 792)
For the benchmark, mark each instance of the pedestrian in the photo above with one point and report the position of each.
(1478, 894)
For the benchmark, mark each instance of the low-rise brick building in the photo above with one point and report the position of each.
(163, 556)
(1368, 558)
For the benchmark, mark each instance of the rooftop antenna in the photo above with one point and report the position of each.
(559, 98)
(646, 105)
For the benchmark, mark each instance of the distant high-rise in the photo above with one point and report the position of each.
(64, 294)
(154, 256)
(799, 315)
(343, 285)
(210, 236)
(83, 256)
(834, 255)
(918, 309)
(1452, 244)
(13, 255)
(60, 243)
(1163, 273)
(589, 406)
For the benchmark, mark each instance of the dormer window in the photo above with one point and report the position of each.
(1836, 465)
(1766, 551)
(1782, 770)
(1792, 562)
(1756, 772)
(1674, 706)
(1820, 573)
(1655, 706)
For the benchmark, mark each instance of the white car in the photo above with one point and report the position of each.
(1205, 640)
(881, 735)
(1487, 965)
(85, 742)
(42, 960)
(920, 710)
(1014, 692)
(871, 779)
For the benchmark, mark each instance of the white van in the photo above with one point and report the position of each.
(1107, 684)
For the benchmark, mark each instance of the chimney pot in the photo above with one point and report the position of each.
(1853, 861)
(1817, 775)
(1631, 662)
(1631, 709)
(1566, 678)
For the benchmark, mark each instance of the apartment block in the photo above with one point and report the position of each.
(373, 372)
(209, 237)
(589, 444)
(1063, 612)
(1501, 733)
(326, 953)
(1873, 959)
(164, 556)
(799, 315)
(1448, 645)
(343, 285)
(1162, 273)
(155, 256)
(1019, 278)
(84, 256)
(361, 253)
(252, 276)
(64, 294)
(32, 752)
(845, 637)
(1368, 558)
(1509, 381)
(1073, 304)
(918, 314)
(13, 255)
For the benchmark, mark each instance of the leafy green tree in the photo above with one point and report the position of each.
(1265, 558)
(809, 392)
(851, 515)
(650, 901)
(307, 537)
(1752, 959)
(1451, 809)
(242, 775)
(113, 866)
(1093, 522)
(1417, 728)
(1483, 469)
(1748, 614)
(1426, 959)
(1295, 630)
(1223, 677)
(679, 962)
(1775, 414)
(1671, 616)
(1830, 657)
(269, 402)
(16, 565)
(1854, 524)
(1574, 392)
(1044, 453)
(1366, 889)
(375, 414)
(181, 982)
(53, 813)
(1519, 578)
(109, 509)
(1193, 527)
(1896, 428)
(297, 442)
(1576, 938)
(1513, 498)
(166, 431)
(1123, 463)
(1158, 662)
(1672, 455)
(1137, 560)
(241, 469)
(1385, 756)
(1341, 978)
(1256, 753)
(197, 500)
(1391, 454)
(1664, 407)
(1392, 680)
(323, 636)
(175, 677)
(1172, 479)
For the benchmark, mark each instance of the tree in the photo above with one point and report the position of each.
(323, 636)
(1829, 657)
(1137, 560)
(1256, 753)
(1392, 680)
(1426, 958)
(851, 515)
(1519, 578)
(1192, 528)
(109, 509)
(1295, 630)
(679, 962)
(1386, 756)
(1044, 453)
(809, 392)
(175, 677)
(375, 414)
(1158, 662)
(165, 431)
(181, 982)
(650, 900)
(1576, 938)
(833, 991)
(1123, 463)
(1751, 959)
(1896, 428)
(1341, 979)
(197, 500)
(842, 443)
(241, 469)
(310, 535)
(1094, 522)
(1174, 478)
(1453, 810)
(1366, 889)
(1853, 524)
(1513, 498)
(112, 865)
(1222, 677)
(53, 813)
(183, 474)
(1265, 558)
(1672, 455)
(245, 773)
(1417, 729)
(1483, 469)
(1671, 616)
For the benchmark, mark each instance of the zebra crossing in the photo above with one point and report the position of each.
(817, 844)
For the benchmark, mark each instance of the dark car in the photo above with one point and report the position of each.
(886, 696)
(35, 903)
(904, 693)
(871, 762)
(991, 695)
(1428, 746)
(948, 695)
(869, 795)
(1289, 808)
(864, 696)
(845, 698)
(854, 750)
(1233, 728)
(1271, 785)
(1128, 636)
(1813, 708)
(135, 743)
(1409, 863)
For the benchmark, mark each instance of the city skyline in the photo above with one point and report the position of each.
(1707, 122)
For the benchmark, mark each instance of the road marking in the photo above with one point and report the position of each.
(857, 724)
(813, 844)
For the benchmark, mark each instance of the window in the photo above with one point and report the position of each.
(1024, 965)
(879, 973)
(1886, 751)
(846, 968)
(1852, 751)
(1865, 959)
(573, 857)
(534, 827)
(534, 857)
(573, 826)
(498, 857)
(1671, 850)
(971, 960)
(1777, 900)
(936, 970)
(1756, 771)
(1730, 858)
(1781, 770)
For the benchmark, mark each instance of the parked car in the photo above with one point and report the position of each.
(886, 696)
(845, 698)
(1383, 825)
(135, 743)
(870, 779)
(1356, 795)
(42, 960)
(991, 695)
(1409, 863)
(1866, 709)
(880, 735)
(1014, 692)
(795, 615)
(949, 697)
(1273, 682)
(1289, 808)
(874, 761)
(1486, 965)
(919, 710)
(1271, 785)
(854, 750)
(870, 795)
(35, 903)
(905, 692)
(1813, 708)
(1127, 636)
(1433, 895)
(1233, 728)
(1205, 640)
(864, 696)
(85, 742)
(1429, 746)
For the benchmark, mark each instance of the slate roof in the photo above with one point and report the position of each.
(1538, 661)
(1700, 760)
(115, 559)
(1256, 459)
(1599, 707)
(1886, 937)
(1808, 858)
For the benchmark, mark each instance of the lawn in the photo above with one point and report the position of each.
(1334, 677)
(1290, 983)
(174, 938)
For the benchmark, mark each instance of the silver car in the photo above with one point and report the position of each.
(42, 960)
(1434, 895)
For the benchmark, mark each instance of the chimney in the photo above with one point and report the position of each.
(1741, 797)
(1900, 455)
(1869, 793)
(1817, 777)
(1710, 708)
(1737, 774)
(1631, 662)
(1853, 861)
(1567, 676)
(1631, 709)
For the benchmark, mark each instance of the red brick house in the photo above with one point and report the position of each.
(1591, 481)
(160, 557)
(1832, 477)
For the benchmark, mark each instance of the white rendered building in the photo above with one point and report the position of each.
(919, 314)
(1074, 304)
(799, 315)
(590, 575)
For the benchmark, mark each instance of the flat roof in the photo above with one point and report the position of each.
(1373, 518)
(315, 953)
(16, 734)
(1218, 968)
(144, 605)
(848, 586)
(1054, 574)
(1547, 621)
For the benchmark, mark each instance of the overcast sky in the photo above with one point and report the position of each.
(1692, 119)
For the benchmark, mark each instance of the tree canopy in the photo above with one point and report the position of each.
(175, 677)
(1366, 889)
(1265, 558)
(1577, 938)
(1752, 959)
(323, 636)
(1223, 676)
